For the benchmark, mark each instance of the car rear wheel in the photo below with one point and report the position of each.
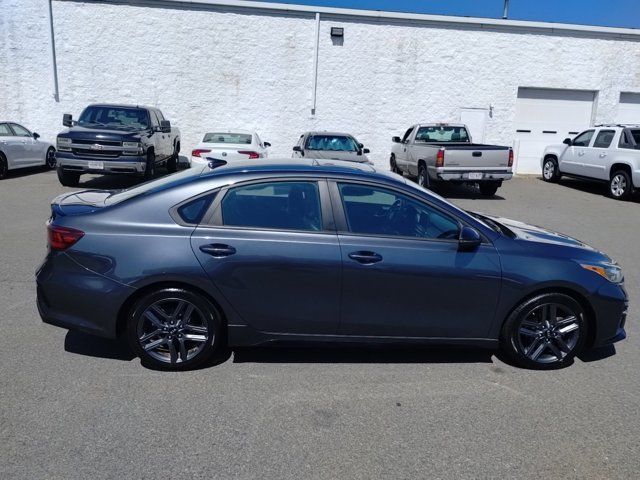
(620, 185)
(423, 176)
(394, 165)
(489, 189)
(174, 329)
(544, 332)
(4, 168)
(550, 171)
(67, 178)
(50, 159)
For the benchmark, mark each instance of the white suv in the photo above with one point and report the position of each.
(608, 153)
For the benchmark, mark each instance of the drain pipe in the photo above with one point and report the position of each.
(315, 66)
(56, 91)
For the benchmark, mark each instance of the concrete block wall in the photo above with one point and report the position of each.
(210, 67)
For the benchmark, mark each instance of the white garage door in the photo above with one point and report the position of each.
(629, 108)
(547, 116)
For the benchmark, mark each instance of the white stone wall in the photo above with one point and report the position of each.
(209, 68)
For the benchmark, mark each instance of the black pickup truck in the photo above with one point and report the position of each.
(111, 139)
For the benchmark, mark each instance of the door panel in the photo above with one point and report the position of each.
(420, 288)
(574, 157)
(596, 162)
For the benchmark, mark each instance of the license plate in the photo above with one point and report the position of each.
(475, 176)
(96, 165)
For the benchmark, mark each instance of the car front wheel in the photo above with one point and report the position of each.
(550, 171)
(174, 329)
(546, 331)
(68, 179)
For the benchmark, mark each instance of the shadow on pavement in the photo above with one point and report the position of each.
(92, 346)
(361, 354)
(596, 188)
(598, 354)
(465, 192)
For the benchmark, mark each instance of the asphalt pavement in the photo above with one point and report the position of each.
(77, 407)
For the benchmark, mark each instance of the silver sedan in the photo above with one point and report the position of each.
(21, 148)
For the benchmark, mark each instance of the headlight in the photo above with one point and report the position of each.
(610, 271)
(135, 145)
(64, 141)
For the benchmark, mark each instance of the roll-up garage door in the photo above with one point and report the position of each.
(629, 108)
(545, 117)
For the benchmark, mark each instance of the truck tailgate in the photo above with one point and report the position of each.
(476, 156)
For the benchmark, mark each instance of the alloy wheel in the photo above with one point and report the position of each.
(549, 170)
(618, 185)
(549, 333)
(173, 330)
(51, 158)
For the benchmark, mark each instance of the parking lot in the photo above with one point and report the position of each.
(74, 406)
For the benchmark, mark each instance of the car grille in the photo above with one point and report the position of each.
(85, 152)
(98, 142)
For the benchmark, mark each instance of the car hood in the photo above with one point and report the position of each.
(335, 155)
(85, 133)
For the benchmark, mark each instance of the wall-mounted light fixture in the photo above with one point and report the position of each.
(337, 32)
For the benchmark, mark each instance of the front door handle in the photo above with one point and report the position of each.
(580, 154)
(366, 258)
(602, 155)
(218, 250)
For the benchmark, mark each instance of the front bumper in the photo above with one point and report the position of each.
(610, 306)
(72, 297)
(135, 164)
(465, 174)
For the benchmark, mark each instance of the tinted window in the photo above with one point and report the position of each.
(5, 131)
(193, 211)
(442, 134)
(277, 205)
(20, 131)
(378, 211)
(406, 134)
(115, 117)
(335, 143)
(583, 139)
(636, 136)
(604, 139)
(214, 137)
(625, 140)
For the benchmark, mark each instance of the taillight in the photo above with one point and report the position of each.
(511, 157)
(61, 238)
(440, 158)
(250, 153)
(198, 151)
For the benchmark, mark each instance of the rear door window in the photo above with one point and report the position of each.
(583, 139)
(5, 131)
(273, 205)
(193, 211)
(604, 139)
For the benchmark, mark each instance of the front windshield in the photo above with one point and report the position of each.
(115, 117)
(335, 143)
(442, 133)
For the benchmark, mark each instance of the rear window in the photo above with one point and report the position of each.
(215, 137)
(154, 185)
(336, 143)
(442, 133)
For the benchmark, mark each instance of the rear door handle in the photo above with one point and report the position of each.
(580, 154)
(218, 250)
(366, 258)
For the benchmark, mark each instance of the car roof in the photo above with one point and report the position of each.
(119, 105)
(230, 130)
(324, 132)
(440, 124)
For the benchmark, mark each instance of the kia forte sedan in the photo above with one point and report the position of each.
(317, 251)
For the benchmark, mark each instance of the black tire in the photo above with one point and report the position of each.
(4, 167)
(489, 189)
(394, 165)
(150, 168)
(67, 178)
(50, 159)
(172, 163)
(204, 321)
(550, 170)
(620, 185)
(423, 176)
(546, 341)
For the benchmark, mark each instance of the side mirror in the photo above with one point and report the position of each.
(567, 141)
(266, 144)
(298, 148)
(396, 139)
(36, 135)
(469, 239)
(67, 120)
(165, 126)
(366, 150)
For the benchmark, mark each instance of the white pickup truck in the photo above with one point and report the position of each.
(606, 153)
(443, 152)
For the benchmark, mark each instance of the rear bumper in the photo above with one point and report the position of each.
(73, 297)
(464, 174)
(611, 306)
(135, 164)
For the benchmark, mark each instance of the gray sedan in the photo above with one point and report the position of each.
(20, 148)
(330, 146)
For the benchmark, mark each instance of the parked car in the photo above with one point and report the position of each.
(21, 148)
(442, 152)
(330, 145)
(111, 139)
(229, 145)
(260, 252)
(605, 153)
